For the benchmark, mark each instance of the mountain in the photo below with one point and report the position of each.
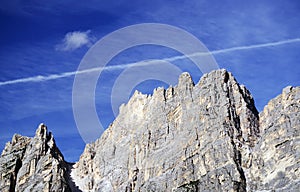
(34, 164)
(203, 137)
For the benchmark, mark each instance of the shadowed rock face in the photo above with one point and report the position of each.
(203, 137)
(33, 164)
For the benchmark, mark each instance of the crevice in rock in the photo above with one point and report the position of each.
(149, 139)
(71, 183)
(231, 129)
(192, 186)
(13, 177)
(237, 158)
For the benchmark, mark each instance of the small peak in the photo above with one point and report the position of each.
(219, 75)
(42, 125)
(159, 93)
(136, 93)
(290, 91)
(185, 79)
(158, 90)
(287, 89)
(223, 74)
(15, 138)
(41, 131)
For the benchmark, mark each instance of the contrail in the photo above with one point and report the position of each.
(256, 46)
(41, 78)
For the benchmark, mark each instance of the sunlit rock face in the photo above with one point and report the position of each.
(276, 157)
(188, 137)
(203, 137)
(11, 161)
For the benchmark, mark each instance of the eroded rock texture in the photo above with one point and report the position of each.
(203, 137)
(11, 161)
(276, 158)
(33, 164)
(186, 138)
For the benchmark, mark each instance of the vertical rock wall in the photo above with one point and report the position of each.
(276, 162)
(33, 164)
(190, 136)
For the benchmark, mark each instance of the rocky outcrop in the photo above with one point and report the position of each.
(186, 138)
(276, 157)
(34, 164)
(203, 137)
(11, 161)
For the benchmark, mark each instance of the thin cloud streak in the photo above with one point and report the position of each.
(256, 46)
(41, 78)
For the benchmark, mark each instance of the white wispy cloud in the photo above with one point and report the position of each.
(74, 40)
(41, 78)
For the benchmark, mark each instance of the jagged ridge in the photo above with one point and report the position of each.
(185, 134)
(203, 137)
(34, 164)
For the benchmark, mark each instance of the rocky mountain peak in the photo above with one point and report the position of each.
(185, 79)
(42, 131)
(191, 137)
(34, 164)
(189, 130)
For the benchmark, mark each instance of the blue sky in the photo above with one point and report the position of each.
(258, 41)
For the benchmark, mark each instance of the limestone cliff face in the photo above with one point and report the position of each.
(186, 138)
(203, 137)
(33, 164)
(276, 157)
(11, 161)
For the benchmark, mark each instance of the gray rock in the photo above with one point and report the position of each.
(203, 137)
(34, 164)
(43, 167)
(276, 157)
(11, 161)
(186, 138)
